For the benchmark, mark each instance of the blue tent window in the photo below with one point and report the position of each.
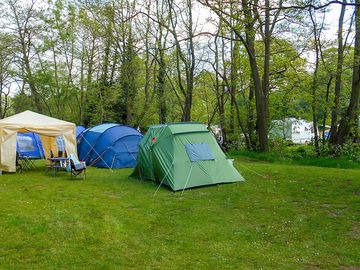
(25, 143)
(29, 144)
(199, 151)
(60, 143)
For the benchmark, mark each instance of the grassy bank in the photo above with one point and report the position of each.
(291, 159)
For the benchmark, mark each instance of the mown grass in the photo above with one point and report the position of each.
(282, 217)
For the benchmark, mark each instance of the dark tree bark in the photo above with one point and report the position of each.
(314, 85)
(260, 92)
(349, 119)
(338, 77)
(104, 80)
(161, 79)
(328, 85)
(251, 118)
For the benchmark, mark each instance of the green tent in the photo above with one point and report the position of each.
(183, 155)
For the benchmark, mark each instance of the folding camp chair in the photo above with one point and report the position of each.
(19, 166)
(76, 167)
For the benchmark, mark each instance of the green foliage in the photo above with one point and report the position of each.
(290, 83)
(349, 150)
(99, 61)
(128, 82)
(22, 102)
(100, 102)
(7, 72)
(204, 105)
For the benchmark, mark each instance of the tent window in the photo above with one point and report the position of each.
(199, 151)
(60, 143)
(25, 144)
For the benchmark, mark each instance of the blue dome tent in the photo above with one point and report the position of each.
(29, 144)
(109, 146)
(79, 129)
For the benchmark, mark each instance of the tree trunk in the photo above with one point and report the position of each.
(187, 108)
(161, 87)
(338, 79)
(260, 99)
(184, 57)
(260, 94)
(350, 117)
(251, 118)
(315, 84)
(326, 109)
(266, 75)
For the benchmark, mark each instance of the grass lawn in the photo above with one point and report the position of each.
(282, 217)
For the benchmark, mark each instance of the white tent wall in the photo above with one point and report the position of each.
(8, 141)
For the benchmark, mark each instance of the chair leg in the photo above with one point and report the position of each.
(19, 168)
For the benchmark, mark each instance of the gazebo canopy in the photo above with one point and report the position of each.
(46, 126)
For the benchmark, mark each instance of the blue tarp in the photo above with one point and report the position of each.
(199, 151)
(109, 146)
(29, 144)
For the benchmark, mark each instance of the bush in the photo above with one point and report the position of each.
(238, 144)
(303, 151)
(347, 157)
(349, 151)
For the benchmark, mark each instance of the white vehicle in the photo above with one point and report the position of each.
(298, 131)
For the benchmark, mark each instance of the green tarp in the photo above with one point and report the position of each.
(183, 155)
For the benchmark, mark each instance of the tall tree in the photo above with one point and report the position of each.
(185, 56)
(128, 77)
(7, 57)
(161, 41)
(338, 76)
(317, 29)
(348, 126)
(24, 23)
(250, 16)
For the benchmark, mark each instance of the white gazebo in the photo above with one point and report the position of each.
(48, 128)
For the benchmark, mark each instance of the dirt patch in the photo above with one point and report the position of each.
(355, 232)
(314, 266)
(329, 210)
(351, 267)
(113, 196)
(333, 214)
(333, 210)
